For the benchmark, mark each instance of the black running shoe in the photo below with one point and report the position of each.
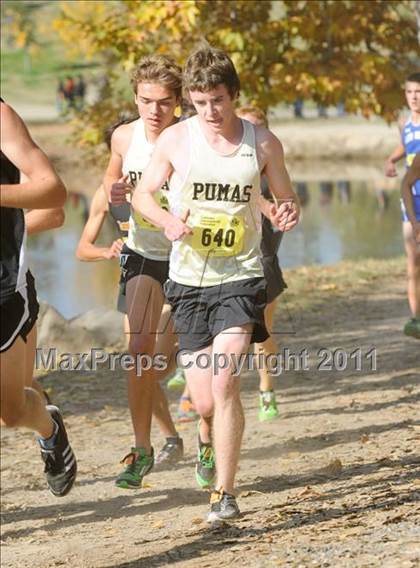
(223, 506)
(47, 397)
(60, 461)
(172, 451)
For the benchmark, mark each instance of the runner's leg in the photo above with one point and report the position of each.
(412, 250)
(267, 398)
(21, 405)
(228, 414)
(144, 306)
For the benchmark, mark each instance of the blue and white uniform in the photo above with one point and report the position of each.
(411, 140)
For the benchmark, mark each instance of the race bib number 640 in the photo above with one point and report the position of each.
(219, 235)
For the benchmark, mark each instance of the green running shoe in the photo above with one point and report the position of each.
(268, 406)
(412, 328)
(205, 470)
(138, 464)
(177, 381)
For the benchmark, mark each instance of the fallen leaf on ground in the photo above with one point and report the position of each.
(293, 455)
(249, 493)
(308, 492)
(386, 462)
(396, 519)
(327, 287)
(334, 467)
(157, 525)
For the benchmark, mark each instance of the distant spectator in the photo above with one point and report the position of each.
(59, 97)
(69, 92)
(80, 92)
(326, 190)
(322, 111)
(344, 191)
(298, 108)
(301, 188)
(341, 109)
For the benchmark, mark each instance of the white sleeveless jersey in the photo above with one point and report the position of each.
(221, 193)
(144, 237)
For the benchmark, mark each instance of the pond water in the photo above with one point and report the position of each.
(341, 219)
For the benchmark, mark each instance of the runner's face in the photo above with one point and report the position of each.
(156, 105)
(412, 94)
(215, 107)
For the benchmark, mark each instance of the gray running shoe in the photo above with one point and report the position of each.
(223, 507)
(172, 452)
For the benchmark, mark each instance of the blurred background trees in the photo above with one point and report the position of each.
(353, 53)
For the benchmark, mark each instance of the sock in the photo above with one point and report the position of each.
(49, 443)
(174, 440)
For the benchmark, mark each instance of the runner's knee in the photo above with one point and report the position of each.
(204, 408)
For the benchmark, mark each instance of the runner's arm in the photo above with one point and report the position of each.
(86, 249)
(44, 189)
(285, 214)
(410, 178)
(154, 176)
(116, 188)
(39, 220)
(393, 158)
(397, 154)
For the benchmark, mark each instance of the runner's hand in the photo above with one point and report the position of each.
(390, 169)
(114, 250)
(285, 216)
(119, 191)
(177, 227)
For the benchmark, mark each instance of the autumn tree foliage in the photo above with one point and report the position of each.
(356, 52)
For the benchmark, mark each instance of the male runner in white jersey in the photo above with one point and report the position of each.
(214, 162)
(145, 255)
(21, 405)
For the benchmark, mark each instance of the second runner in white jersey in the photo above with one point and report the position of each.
(221, 192)
(144, 237)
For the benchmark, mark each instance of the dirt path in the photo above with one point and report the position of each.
(334, 482)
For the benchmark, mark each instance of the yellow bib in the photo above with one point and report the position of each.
(162, 201)
(219, 235)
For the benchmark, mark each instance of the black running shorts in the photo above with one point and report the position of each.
(18, 314)
(134, 264)
(273, 276)
(202, 313)
(121, 299)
